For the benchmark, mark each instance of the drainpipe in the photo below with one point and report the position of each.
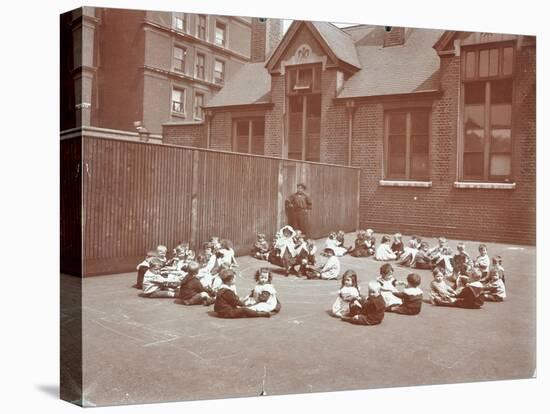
(350, 107)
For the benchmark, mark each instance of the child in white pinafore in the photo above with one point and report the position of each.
(263, 298)
(388, 285)
(348, 294)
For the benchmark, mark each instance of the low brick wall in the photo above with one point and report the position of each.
(188, 135)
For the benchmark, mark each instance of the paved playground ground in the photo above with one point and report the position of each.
(139, 350)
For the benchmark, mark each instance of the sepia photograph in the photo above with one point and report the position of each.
(255, 206)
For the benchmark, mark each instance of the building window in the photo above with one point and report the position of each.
(199, 72)
(487, 114)
(249, 135)
(219, 71)
(179, 22)
(197, 106)
(179, 58)
(407, 145)
(178, 100)
(220, 34)
(304, 79)
(201, 26)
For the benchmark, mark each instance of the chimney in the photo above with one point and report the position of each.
(265, 36)
(394, 36)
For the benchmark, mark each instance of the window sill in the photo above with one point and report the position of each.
(403, 183)
(179, 114)
(485, 186)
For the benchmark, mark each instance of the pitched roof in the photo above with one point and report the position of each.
(339, 42)
(412, 67)
(250, 85)
(409, 68)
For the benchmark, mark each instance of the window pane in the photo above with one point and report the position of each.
(501, 140)
(473, 165)
(242, 128)
(420, 122)
(501, 115)
(470, 66)
(419, 144)
(314, 106)
(178, 53)
(304, 79)
(296, 104)
(474, 123)
(419, 166)
(176, 95)
(493, 62)
(507, 60)
(474, 93)
(483, 63)
(501, 165)
(397, 149)
(258, 127)
(398, 123)
(501, 91)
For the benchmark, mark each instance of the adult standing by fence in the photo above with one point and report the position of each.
(298, 206)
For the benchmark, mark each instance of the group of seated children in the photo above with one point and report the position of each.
(207, 279)
(384, 296)
(296, 255)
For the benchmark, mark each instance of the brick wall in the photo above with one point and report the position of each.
(334, 122)
(274, 118)
(470, 214)
(188, 135)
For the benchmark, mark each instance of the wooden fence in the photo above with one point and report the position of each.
(137, 195)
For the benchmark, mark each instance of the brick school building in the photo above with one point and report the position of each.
(441, 123)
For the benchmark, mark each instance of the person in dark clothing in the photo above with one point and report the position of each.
(411, 297)
(470, 297)
(228, 305)
(298, 206)
(192, 292)
(371, 311)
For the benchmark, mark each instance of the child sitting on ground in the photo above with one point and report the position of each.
(143, 267)
(306, 257)
(461, 261)
(329, 271)
(340, 238)
(370, 241)
(397, 245)
(260, 250)
(440, 292)
(348, 293)
(285, 249)
(422, 259)
(496, 262)
(371, 311)
(409, 251)
(441, 256)
(157, 284)
(384, 251)
(216, 244)
(411, 297)
(161, 254)
(228, 304)
(388, 285)
(482, 262)
(226, 254)
(333, 243)
(263, 297)
(360, 249)
(494, 289)
(192, 292)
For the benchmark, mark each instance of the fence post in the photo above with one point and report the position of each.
(194, 201)
(280, 199)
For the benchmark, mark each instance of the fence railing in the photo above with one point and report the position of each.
(138, 195)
